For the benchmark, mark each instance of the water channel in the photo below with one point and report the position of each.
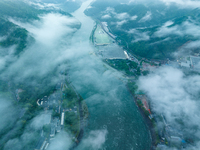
(114, 121)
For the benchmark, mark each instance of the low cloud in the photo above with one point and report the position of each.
(25, 141)
(161, 41)
(62, 141)
(120, 23)
(192, 45)
(39, 121)
(186, 28)
(50, 29)
(122, 16)
(95, 140)
(134, 17)
(147, 17)
(52, 36)
(106, 17)
(183, 3)
(139, 36)
(176, 96)
(7, 111)
(180, 3)
(40, 5)
(28, 132)
(7, 55)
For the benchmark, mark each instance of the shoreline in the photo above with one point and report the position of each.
(146, 119)
(148, 123)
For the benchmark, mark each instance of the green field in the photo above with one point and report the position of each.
(101, 37)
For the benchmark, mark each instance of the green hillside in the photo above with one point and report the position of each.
(138, 35)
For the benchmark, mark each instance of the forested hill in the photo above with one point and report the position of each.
(153, 30)
(13, 35)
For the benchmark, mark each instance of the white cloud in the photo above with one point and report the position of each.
(62, 141)
(168, 23)
(165, 31)
(183, 3)
(122, 16)
(193, 44)
(180, 3)
(134, 17)
(147, 17)
(186, 28)
(40, 120)
(120, 23)
(176, 96)
(95, 140)
(7, 110)
(139, 36)
(50, 29)
(7, 56)
(110, 10)
(106, 17)
(42, 5)
(52, 33)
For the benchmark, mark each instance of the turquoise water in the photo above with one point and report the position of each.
(114, 121)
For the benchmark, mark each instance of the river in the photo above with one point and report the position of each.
(114, 122)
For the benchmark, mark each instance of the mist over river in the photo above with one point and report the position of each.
(114, 121)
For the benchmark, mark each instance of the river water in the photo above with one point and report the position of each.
(114, 121)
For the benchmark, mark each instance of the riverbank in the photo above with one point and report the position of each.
(148, 122)
(124, 68)
(83, 115)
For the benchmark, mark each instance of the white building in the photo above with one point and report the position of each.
(62, 119)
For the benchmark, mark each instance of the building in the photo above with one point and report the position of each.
(62, 119)
(105, 27)
(53, 130)
(195, 62)
(185, 64)
(42, 144)
(126, 54)
(145, 104)
(176, 141)
(58, 129)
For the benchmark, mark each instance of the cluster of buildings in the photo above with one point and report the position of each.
(191, 62)
(42, 144)
(56, 122)
(145, 104)
(147, 67)
(170, 135)
(55, 125)
(133, 58)
(50, 102)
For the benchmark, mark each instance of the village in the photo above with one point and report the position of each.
(62, 110)
(55, 107)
